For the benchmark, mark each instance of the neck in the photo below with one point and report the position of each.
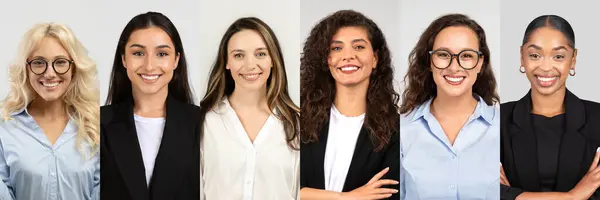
(548, 105)
(254, 99)
(444, 104)
(351, 101)
(150, 105)
(48, 109)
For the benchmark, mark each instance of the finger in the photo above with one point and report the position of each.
(380, 196)
(596, 159)
(378, 175)
(385, 191)
(383, 182)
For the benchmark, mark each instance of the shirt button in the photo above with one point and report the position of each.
(452, 187)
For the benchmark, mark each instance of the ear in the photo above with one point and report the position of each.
(177, 60)
(574, 59)
(123, 60)
(521, 56)
(375, 59)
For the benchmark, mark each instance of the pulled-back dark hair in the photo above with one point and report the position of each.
(552, 21)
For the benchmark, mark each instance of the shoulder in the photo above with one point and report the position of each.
(507, 106)
(592, 110)
(106, 113)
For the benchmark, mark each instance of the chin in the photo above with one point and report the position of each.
(546, 91)
(453, 92)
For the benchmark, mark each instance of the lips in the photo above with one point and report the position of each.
(454, 80)
(50, 84)
(250, 76)
(348, 69)
(546, 80)
(149, 78)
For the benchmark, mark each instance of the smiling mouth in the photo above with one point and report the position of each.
(250, 77)
(454, 80)
(348, 69)
(149, 77)
(51, 84)
(546, 81)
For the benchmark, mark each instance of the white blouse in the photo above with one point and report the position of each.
(149, 132)
(341, 141)
(232, 167)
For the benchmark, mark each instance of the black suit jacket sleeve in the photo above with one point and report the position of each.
(392, 160)
(509, 193)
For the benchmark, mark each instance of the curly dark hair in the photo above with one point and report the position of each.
(420, 85)
(317, 86)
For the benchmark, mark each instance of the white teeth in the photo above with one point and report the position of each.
(250, 76)
(53, 84)
(546, 79)
(349, 68)
(150, 77)
(454, 79)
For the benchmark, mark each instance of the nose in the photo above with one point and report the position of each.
(49, 73)
(546, 64)
(250, 62)
(454, 65)
(348, 54)
(149, 63)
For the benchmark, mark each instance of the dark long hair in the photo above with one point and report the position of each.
(120, 85)
(221, 83)
(420, 86)
(317, 86)
(552, 21)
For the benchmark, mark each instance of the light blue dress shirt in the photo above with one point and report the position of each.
(33, 169)
(432, 168)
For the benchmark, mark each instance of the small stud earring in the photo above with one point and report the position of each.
(522, 69)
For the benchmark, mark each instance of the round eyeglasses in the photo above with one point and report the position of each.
(39, 66)
(467, 59)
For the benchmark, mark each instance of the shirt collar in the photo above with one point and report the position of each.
(482, 110)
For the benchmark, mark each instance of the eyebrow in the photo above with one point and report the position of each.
(554, 49)
(239, 50)
(143, 47)
(44, 58)
(448, 49)
(353, 41)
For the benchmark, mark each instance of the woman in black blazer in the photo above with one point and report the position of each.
(349, 122)
(149, 128)
(549, 138)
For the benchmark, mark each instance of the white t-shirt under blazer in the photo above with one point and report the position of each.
(232, 167)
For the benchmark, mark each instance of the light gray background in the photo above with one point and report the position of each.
(581, 14)
(216, 16)
(415, 17)
(201, 24)
(383, 12)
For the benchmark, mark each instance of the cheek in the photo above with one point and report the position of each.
(332, 60)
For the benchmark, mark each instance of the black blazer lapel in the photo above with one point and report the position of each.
(126, 150)
(572, 147)
(318, 156)
(360, 158)
(524, 145)
(175, 153)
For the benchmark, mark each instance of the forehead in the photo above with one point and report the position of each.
(246, 40)
(548, 38)
(349, 33)
(49, 47)
(456, 39)
(150, 37)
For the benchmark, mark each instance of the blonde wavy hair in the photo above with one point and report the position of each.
(82, 96)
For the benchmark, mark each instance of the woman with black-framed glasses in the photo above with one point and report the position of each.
(49, 134)
(449, 123)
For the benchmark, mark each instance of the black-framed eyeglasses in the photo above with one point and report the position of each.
(39, 66)
(467, 59)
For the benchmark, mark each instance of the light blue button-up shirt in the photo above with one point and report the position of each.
(432, 168)
(33, 169)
